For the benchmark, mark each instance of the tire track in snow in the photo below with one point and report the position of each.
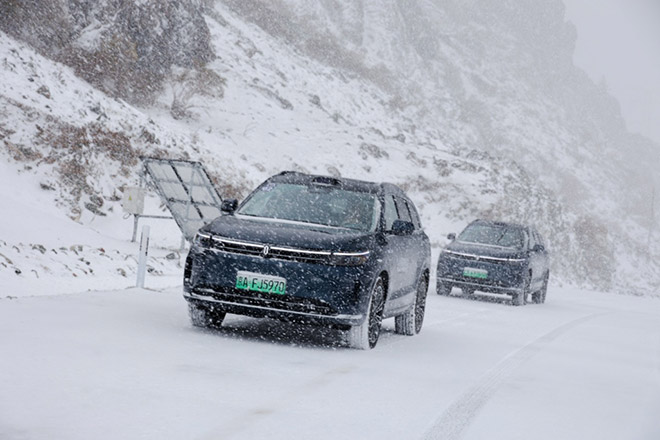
(249, 418)
(460, 414)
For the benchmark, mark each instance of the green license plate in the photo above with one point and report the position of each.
(475, 273)
(257, 282)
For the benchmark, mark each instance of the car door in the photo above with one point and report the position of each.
(396, 256)
(416, 244)
(410, 263)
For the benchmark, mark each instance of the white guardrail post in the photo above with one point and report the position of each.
(142, 261)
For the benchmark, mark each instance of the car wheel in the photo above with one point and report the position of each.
(539, 297)
(365, 335)
(203, 317)
(420, 304)
(442, 288)
(410, 322)
(520, 298)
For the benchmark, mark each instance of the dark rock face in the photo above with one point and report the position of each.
(124, 47)
(45, 24)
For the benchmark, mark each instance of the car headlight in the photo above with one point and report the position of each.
(349, 258)
(202, 239)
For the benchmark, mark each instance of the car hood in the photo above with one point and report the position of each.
(275, 233)
(484, 250)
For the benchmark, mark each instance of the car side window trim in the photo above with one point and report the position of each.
(539, 239)
(414, 215)
(390, 212)
(528, 239)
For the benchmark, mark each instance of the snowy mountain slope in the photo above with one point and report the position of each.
(259, 130)
(487, 80)
(460, 127)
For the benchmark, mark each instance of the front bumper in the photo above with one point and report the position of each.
(283, 310)
(504, 277)
(316, 293)
(489, 288)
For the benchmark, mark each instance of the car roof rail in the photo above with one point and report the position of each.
(326, 180)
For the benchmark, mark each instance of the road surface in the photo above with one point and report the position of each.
(128, 365)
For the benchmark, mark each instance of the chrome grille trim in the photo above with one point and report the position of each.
(482, 258)
(285, 253)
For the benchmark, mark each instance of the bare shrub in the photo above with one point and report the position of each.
(595, 254)
(81, 155)
(371, 150)
(188, 83)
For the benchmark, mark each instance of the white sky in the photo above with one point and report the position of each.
(619, 40)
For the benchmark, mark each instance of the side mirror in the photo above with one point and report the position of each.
(402, 227)
(451, 236)
(229, 206)
(538, 248)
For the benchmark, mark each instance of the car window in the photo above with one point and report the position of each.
(322, 205)
(390, 212)
(493, 234)
(532, 239)
(539, 239)
(414, 215)
(402, 209)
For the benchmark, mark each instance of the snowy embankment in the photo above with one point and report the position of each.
(43, 252)
(62, 228)
(127, 364)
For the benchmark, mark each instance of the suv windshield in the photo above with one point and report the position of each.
(494, 235)
(317, 204)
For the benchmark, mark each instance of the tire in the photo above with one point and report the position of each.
(365, 336)
(539, 297)
(442, 288)
(205, 318)
(410, 323)
(420, 304)
(520, 298)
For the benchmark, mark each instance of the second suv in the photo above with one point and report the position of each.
(495, 257)
(316, 250)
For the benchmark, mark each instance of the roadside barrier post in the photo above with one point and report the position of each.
(142, 261)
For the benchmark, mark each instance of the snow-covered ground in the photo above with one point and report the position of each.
(127, 364)
(124, 363)
(43, 252)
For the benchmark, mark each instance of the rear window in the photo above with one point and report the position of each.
(493, 235)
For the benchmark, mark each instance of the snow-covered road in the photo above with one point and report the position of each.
(128, 365)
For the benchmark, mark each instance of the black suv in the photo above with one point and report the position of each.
(316, 250)
(495, 257)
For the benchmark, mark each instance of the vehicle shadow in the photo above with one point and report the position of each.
(481, 297)
(273, 331)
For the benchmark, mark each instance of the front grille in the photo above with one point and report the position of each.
(473, 257)
(278, 252)
(236, 247)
